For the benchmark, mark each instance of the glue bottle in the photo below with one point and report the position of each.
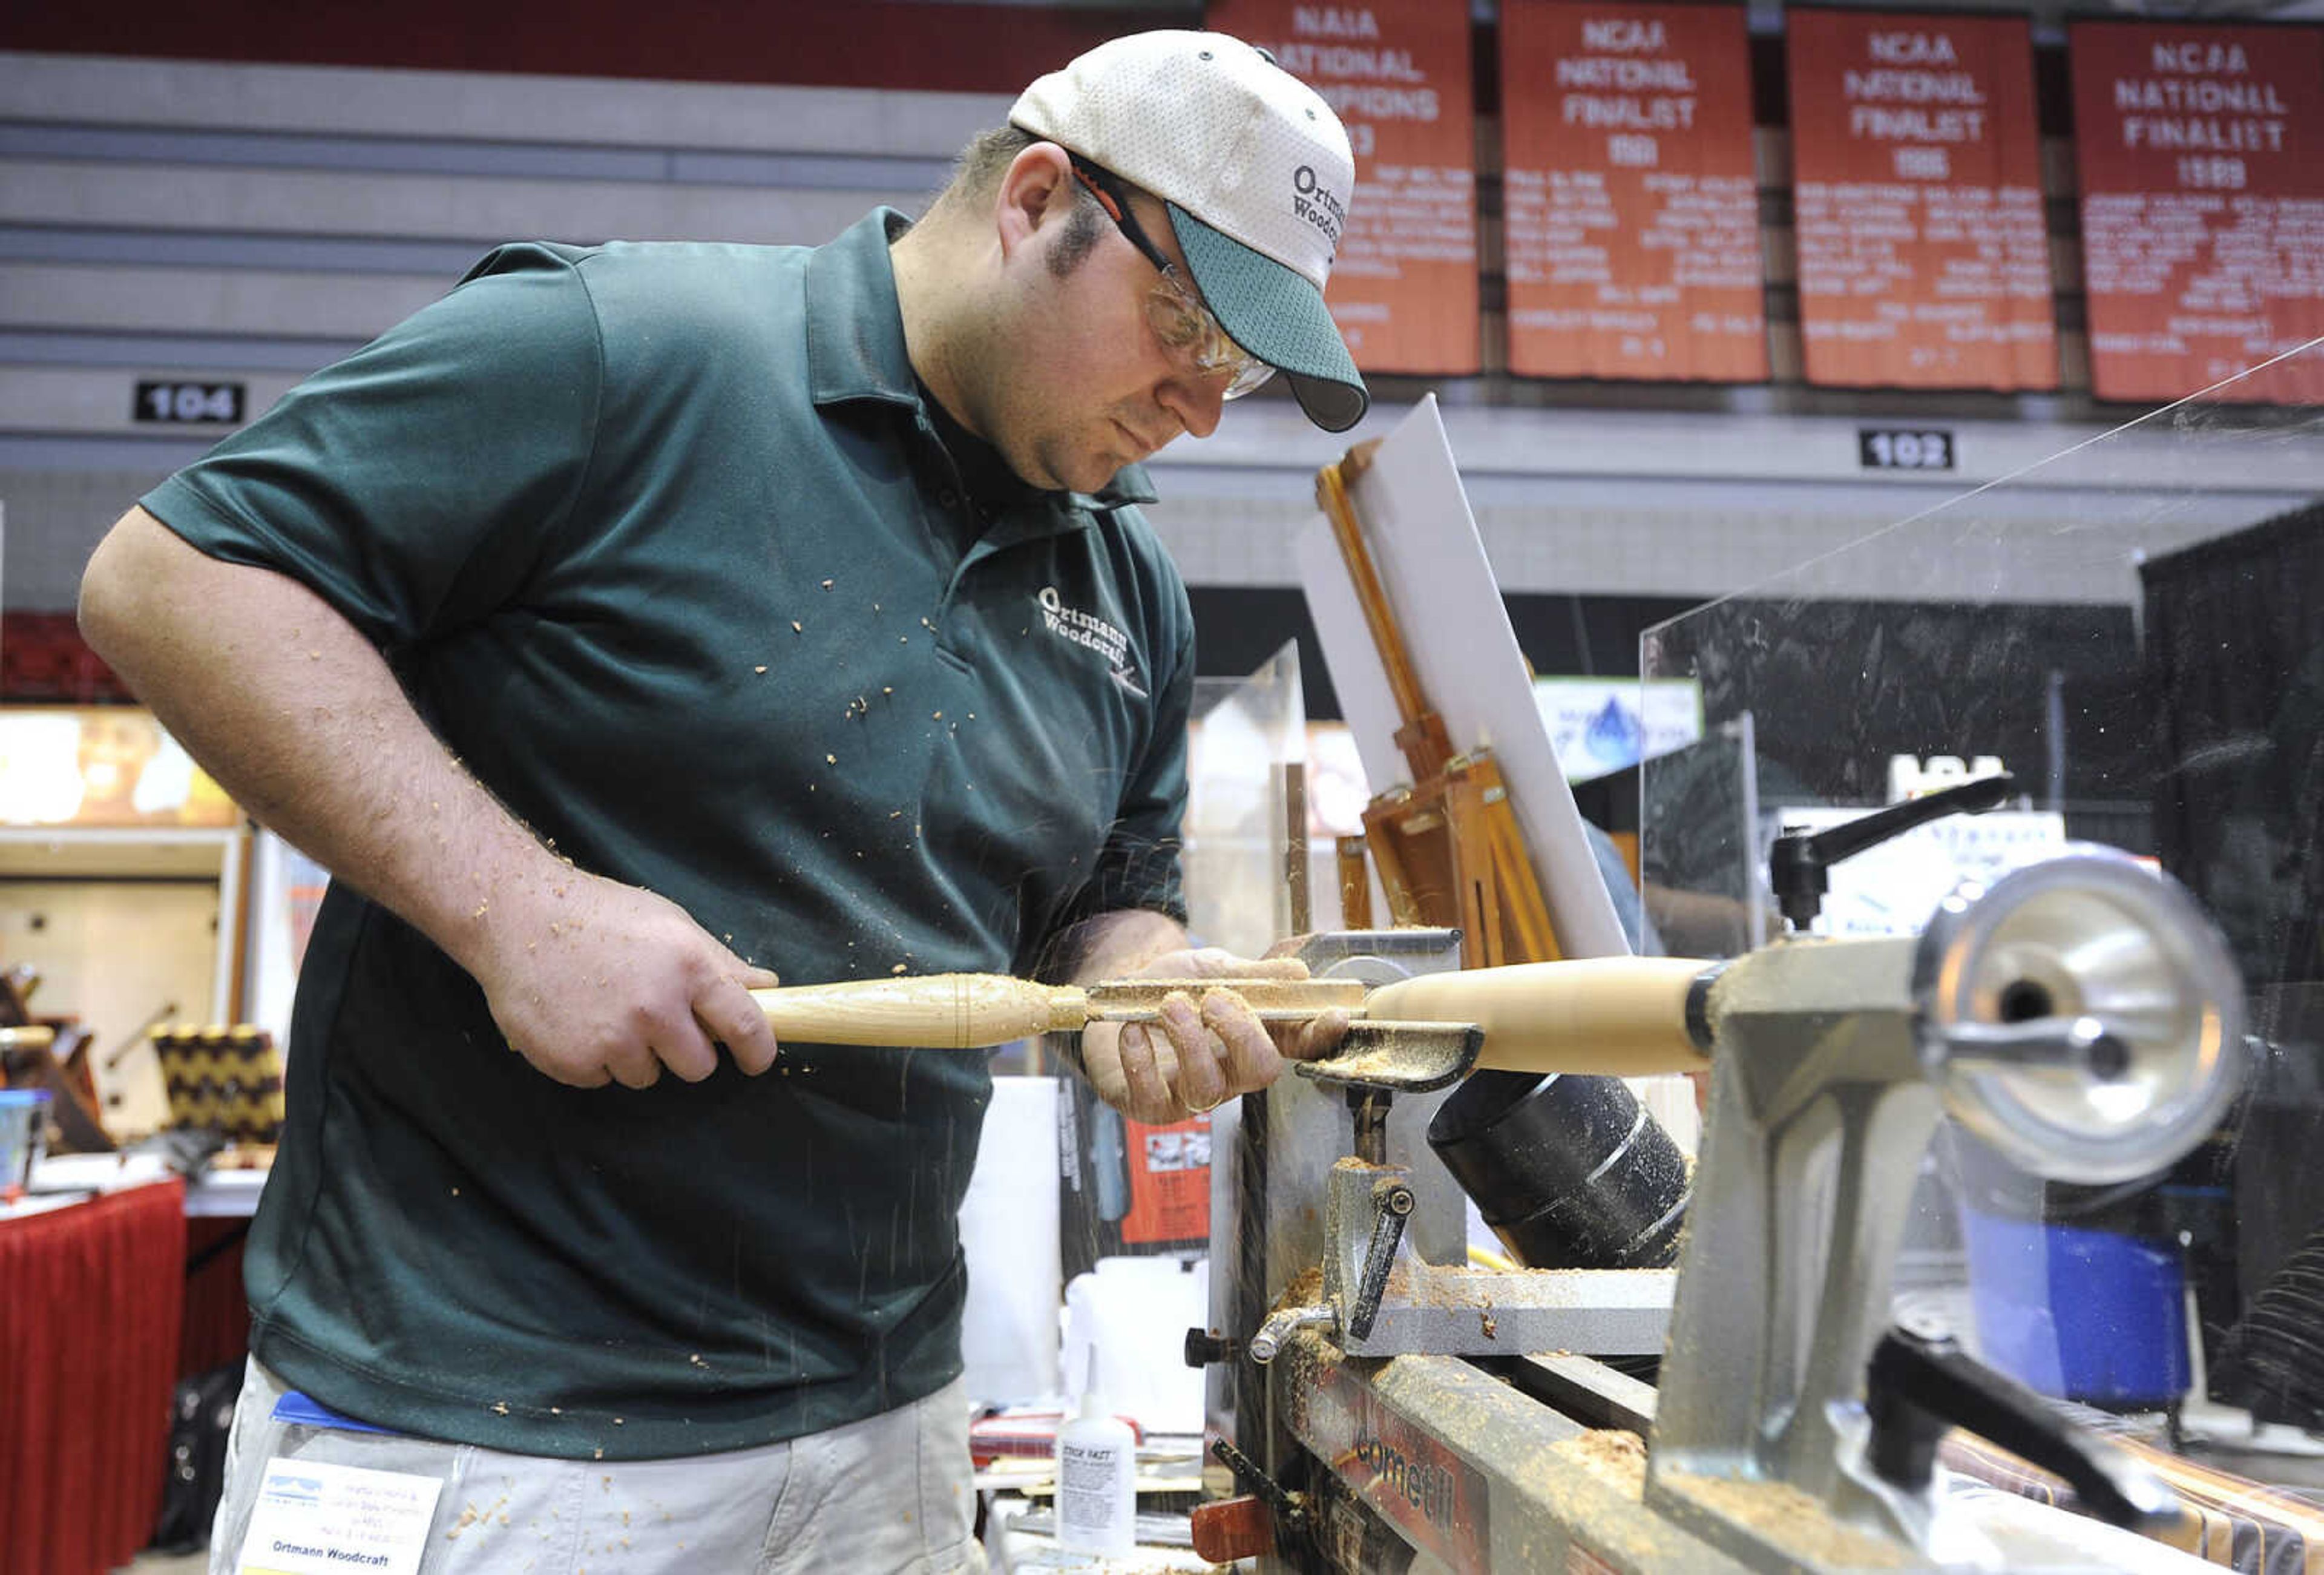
(1097, 1477)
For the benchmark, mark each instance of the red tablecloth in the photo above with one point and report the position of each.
(216, 1326)
(90, 1297)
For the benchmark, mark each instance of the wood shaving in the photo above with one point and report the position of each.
(1790, 1519)
(1615, 1456)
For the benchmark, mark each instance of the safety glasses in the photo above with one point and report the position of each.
(1177, 316)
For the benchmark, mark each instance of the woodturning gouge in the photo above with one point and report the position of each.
(1622, 1015)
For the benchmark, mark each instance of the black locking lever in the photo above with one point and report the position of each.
(1797, 864)
(1919, 1387)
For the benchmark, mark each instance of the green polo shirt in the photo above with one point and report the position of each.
(663, 542)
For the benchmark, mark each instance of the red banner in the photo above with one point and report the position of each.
(1633, 208)
(1404, 288)
(1916, 164)
(937, 46)
(2200, 151)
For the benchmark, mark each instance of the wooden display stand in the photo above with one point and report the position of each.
(52, 1054)
(1449, 850)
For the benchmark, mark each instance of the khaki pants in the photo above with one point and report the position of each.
(892, 1493)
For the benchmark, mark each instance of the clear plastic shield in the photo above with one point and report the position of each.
(2134, 628)
(1246, 764)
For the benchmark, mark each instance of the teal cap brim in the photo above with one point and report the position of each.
(1277, 316)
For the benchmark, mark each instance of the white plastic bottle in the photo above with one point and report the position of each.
(1097, 1477)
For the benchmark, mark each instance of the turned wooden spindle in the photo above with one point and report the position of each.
(1622, 1015)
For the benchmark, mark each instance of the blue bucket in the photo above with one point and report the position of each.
(2084, 1315)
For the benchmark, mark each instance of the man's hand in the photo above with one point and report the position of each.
(1207, 1048)
(594, 982)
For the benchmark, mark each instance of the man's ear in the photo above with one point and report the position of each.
(1037, 188)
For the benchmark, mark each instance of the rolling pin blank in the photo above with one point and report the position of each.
(1623, 1016)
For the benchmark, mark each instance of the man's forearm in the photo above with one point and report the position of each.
(301, 722)
(1112, 946)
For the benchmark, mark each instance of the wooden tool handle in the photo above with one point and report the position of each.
(967, 1011)
(934, 1011)
(1624, 1017)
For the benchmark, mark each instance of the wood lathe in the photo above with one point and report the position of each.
(1394, 1409)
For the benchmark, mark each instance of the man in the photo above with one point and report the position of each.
(638, 620)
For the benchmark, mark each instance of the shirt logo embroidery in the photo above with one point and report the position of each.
(1087, 629)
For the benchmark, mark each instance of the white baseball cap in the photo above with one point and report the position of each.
(1256, 172)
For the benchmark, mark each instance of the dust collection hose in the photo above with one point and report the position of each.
(1570, 1172)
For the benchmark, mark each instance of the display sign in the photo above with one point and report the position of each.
(1632, 203)
(2200, 151)
(1404, 286)
(155, 400)
(101, 766)
(1916, 160)
(1892, 887)
(1599, 725)
(1904, 447)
